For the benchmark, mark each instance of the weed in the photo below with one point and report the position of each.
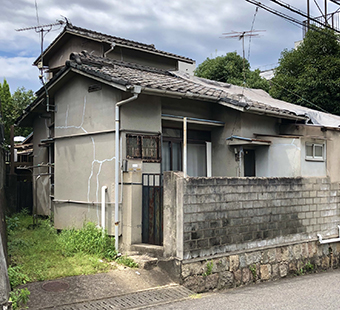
(89, 240)
(210, 266)
(308, 267)
(19, 298)
(17, 276)
(12, 223)
(252, 269)
(127, 261)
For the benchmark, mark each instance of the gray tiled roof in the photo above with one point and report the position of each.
(179, 83)
(112, 39)
(156, 79)
(175, 83)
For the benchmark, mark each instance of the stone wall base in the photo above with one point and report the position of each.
(242, 268)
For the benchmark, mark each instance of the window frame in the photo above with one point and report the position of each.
(313, 157)
(141, 152)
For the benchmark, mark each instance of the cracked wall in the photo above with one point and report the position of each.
(85, 155)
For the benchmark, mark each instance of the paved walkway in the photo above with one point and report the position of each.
(80, 290)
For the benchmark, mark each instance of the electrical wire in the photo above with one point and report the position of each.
(251, 30)
(295, 94)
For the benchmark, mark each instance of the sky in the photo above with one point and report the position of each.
(191, 28)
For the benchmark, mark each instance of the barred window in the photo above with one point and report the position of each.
(144, 147)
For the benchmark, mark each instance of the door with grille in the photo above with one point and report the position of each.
(152, 212)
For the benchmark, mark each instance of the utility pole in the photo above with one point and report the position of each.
(308, 15)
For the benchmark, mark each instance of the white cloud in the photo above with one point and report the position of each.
(17, 67)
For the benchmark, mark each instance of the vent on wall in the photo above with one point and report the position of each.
(94, 87)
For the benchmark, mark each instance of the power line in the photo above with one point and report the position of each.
(334, 1)
(285, 16)
(298, 11)
(295, 94)
(251, 30)
(275, 12)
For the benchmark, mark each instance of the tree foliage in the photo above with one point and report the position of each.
(12, 107)
(310, 75)
(229, 69)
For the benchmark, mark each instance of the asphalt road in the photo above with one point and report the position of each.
(316, 291)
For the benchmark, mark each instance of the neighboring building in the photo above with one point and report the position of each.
(161, 113)
(267, 74)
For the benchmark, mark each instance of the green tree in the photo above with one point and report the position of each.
(229, 69)
(6, 109)
(11, 108)
(310, 75)
(21, 99)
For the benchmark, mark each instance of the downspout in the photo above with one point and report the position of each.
(104, 188)
(185, 148)
(136, 91)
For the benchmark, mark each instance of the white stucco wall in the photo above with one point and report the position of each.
(281, 159)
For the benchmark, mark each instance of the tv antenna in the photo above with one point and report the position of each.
(42, 30)
(241, 35)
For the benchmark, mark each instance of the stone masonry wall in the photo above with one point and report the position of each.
(224, 215)
(259, 265)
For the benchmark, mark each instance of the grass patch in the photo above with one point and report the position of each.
(39, 253)
(127, 261)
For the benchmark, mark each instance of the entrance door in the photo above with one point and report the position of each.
(152, 209)
(249, 163)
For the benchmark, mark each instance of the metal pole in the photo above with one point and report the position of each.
(185, 145)
(308, 14)
(117, 178)
(325, 12)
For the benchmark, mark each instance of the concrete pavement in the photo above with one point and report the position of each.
(315, 291)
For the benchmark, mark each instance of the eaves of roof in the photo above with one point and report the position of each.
(100, 37)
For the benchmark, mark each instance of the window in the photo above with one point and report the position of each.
(315, 151)
(144, 147)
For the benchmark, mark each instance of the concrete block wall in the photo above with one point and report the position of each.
(231, 214)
